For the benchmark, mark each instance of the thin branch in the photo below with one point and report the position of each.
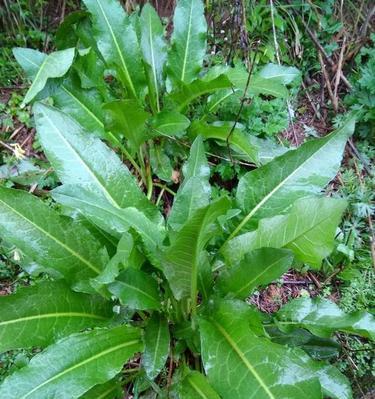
(339, 69)
(243, 99)
(328, 83)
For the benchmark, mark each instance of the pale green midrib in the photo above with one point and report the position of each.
(88, 111)
(90, 359)
(157, 343)
(81, 161)
(274, 190)
(187, 43)
(153, 63)
(303, 233)
(53, 238)
(244, 359)
(27, 99)
(118, 49)
(221, 99)
(135, 289)
(113, 213)
(257, 277)
(196, 94)
(104, 394)
(196, 388)
(52, 315)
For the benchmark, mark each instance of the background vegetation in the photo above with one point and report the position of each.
(330, 42)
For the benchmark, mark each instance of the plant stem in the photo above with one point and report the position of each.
(193, 291)
(164, 187)
(125, 152)
(150, 186)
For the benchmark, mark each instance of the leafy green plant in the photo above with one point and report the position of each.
(363, 94)
(129, 285)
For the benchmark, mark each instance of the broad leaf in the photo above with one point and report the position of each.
(194, 193)
(323, 317)
(66, 33)
(334, 384)
(84, 160)
(160, 162)
(185, 58)
(189, 92)
(75, 364)
(157, 341)
(136, 289)
(154, 51)
(241, 365)
(308, 230)
(29, 59)
(318, 348)
(169, 123)
(53, 65)
(239, 141)
(85, 106)
(272, 188)
(259, 267)
(110, 390)
(195, 386)
(127, 117)
(121, 259)
(258, 84)
(90, 69)
(57, 243)
(40, 314)
(282, 73)
(118, 43)
(109, 218)
(181, 262)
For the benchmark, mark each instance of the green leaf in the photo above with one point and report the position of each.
(40, 314)
(83, 160)
(110, 390)
(154, 51)
(66, 33)
(127, 117)
(334, 384)
(118, 43)
(282, 73)
(57, 243)
(241, 365)
(53, 65)
(258, 84)
(194, 193)
(272, 188)
(113, 220)
(29, 59)
(240, 142)
(121, 258)
(188, 40)
(169, 123)
(194, 386)
(83, 105)
(90, 69)
(136, 289)
(323, 317)
(180, 263)
(73, 365)
(308, 230)
(160, 162)
(157, 341)
(187, 93)
(318, 348)
(259, 267)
